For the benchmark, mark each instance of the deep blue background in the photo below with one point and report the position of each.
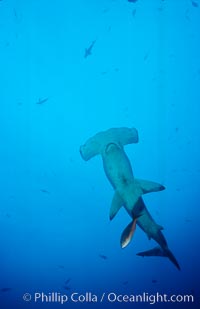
(144, 72)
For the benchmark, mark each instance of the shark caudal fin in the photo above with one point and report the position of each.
(172, 258)
(96, 144)
(158, 251)
(117, 203)
(128, 232)
(149, 186)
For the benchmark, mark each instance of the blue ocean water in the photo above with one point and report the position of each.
(70, 69)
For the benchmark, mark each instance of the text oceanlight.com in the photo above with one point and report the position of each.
(112, 297)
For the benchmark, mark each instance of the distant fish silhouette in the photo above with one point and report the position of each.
(67, 281)
(188, 220)
(104, 72)
(88, 51)
(154, 281)
(187, 14)
(45, 191)
(67, 288)
(134, 12)
(125, 282)
(104, 257)
(5, 290)
(195, 4)
(42, 101)
(146, 56)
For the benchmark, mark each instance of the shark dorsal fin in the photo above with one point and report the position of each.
(117, 203)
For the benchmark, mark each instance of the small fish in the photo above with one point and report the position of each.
(15, 13)
(67, 288)
(42, 101)
(134, 12)
(146, 56)
(44, 191)
(195, 4)
(67, 281)
(104, 257)
(187, 14)
(188, 220)
(105, 10)
(88, 51)
(125, 282)
(5, 290)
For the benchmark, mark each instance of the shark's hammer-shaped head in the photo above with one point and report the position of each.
(97, 143)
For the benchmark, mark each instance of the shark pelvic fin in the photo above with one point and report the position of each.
(149, 186)
(128, 233)
(117, 203)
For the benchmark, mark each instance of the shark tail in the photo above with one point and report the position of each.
(158, 251)
(172, 258)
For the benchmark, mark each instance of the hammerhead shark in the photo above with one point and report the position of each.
(128, 190)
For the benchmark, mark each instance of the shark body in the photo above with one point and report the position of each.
(128, 190)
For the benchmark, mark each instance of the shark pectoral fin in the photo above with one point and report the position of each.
(149, 186)
(117, 203)
(128, 233)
